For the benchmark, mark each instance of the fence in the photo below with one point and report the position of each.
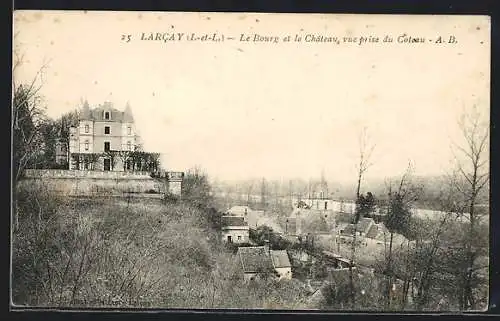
(64, 173)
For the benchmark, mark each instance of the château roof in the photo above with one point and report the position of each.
(98, 113)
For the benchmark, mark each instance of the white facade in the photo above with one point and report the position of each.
(128, 137)
(327, 204)
(284, 273)
(236, 234)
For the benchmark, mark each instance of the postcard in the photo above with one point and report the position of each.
(259, 161)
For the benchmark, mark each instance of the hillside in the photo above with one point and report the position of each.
(118, 253)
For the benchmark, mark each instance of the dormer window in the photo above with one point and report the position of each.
(106, 115)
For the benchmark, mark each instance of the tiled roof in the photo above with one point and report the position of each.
(364, 224)
(233, 221)
(372, 232)
(344, 217)
(348, 230)
(255, 259)
(280, 258)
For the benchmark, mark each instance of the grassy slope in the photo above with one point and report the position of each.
(142, 254)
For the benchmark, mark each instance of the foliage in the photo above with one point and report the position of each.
(365, 205)
(28, 120)
(102, 253)
(196, 188)
(263, 234)
(399, 214)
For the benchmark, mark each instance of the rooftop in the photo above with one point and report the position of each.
(255, 259)
(364, 224)
(233, 221)
(98, 113)
(372, 232)
(280, 258)
(348, 230)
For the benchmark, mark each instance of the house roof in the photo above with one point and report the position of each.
(344, 217)
(364, 224)
(127, 114)
(372, 232)
(255, 259)
(233, 221)
(347, 230)
(98, 113)
(280, 258)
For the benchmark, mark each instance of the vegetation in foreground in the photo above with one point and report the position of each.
(110, 253)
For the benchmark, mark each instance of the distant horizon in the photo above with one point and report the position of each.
(252, 110)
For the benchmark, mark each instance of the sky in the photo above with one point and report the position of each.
(247, 110)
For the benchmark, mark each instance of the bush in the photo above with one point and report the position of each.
(169, 198)
(107, 253)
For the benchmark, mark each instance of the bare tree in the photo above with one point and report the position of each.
(249, 190)
(28, 115)
(398, 220)
(470, 179)
(365, 152)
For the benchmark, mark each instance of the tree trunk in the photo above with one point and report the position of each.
(389, 273)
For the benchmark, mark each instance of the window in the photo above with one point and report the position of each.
(106, 146)
(86, 128)
(86, 145)
(106, 130)
(129, 130)
(129, 146)
(239, 237)
(106, 115)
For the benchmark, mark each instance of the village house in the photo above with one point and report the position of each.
(281, 264)
(234, 229)
(318, 202)
(309, 221)
(368, 233)
(366, 227)
(260, 261)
